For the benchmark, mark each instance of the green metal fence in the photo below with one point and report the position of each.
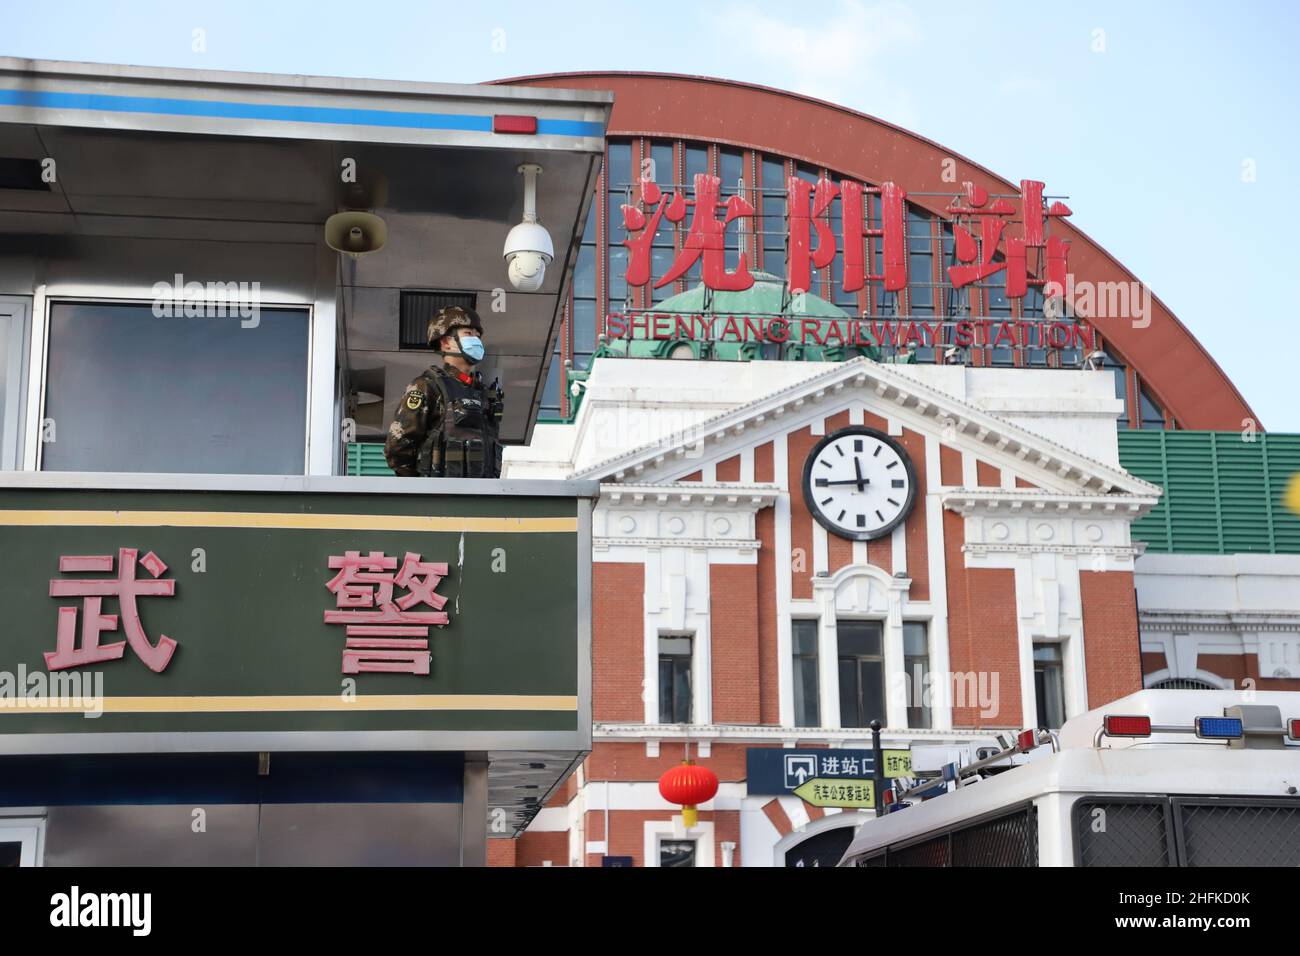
(1223, 490)
(367, 459)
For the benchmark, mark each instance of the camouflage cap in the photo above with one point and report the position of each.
(452, 317)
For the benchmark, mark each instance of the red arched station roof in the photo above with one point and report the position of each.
(1173, 365)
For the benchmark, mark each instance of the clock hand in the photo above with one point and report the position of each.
(850, 481)
(857, 467)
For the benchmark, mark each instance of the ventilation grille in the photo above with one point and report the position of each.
(1122, 833)
(418, 308)
(1188, 831)
(22, 174)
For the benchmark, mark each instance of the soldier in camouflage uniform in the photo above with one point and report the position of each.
(447, 420)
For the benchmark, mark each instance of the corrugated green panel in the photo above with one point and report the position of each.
(1283, 462)
(366, 459)
(1243, 493)
(1222, 492)
(1192, 491)
(1146, 459)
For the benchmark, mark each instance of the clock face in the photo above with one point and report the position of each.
(859, 483)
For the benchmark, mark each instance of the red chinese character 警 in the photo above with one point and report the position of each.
(978, 256)
(126, 588)
(391, 637)
(705, 239)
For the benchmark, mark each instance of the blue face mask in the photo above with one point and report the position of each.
(471, 346)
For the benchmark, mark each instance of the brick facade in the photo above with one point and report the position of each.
(746, 616)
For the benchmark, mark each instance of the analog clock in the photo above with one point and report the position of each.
(859, 483)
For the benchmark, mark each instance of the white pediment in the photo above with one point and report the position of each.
(1052, 467)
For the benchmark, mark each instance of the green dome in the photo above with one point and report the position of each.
(764, 297)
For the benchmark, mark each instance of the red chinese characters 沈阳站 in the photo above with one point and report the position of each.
(867, 229)
(977, 256)
(384, 634)
(126, 587)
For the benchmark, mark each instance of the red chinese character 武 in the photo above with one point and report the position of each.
(126, 588)
(391, 637)
(705, 239)
(978, 256)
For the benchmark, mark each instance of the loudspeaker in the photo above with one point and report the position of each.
(356, 233)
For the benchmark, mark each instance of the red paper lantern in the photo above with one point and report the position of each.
(688, 785)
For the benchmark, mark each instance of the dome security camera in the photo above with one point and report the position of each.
(528, 252)
(528, 249)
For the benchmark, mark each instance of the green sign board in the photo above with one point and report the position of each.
(346, 613)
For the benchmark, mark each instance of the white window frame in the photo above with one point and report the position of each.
(15, 311)
(29, 832)
(839, 597)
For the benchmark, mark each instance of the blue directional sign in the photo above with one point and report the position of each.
(780, 772)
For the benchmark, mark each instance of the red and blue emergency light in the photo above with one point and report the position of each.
(1124, 725)
(1219, 728)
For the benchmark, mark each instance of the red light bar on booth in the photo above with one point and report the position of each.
(1127, 726)
(1027, 739)
(505, 123)
(1293, 728)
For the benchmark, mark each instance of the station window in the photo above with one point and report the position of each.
(998, 306)
(807, 711)
(1153, 415)
(1032, 311)
(583, 318)
(861, 672)
(1049, 686)
(550, 406)
(675, 679)
(697, 162)
(676, 852)
(663, 246)
(773, 212)
(1121, 385)
(618, 185)
(731, 170)
(916, 664)
(131, 391)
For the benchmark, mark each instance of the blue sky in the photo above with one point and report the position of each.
(1174, 130)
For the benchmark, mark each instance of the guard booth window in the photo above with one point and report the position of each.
(862, 673)
(221, 392)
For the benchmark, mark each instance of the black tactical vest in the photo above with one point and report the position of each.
(464, 444)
